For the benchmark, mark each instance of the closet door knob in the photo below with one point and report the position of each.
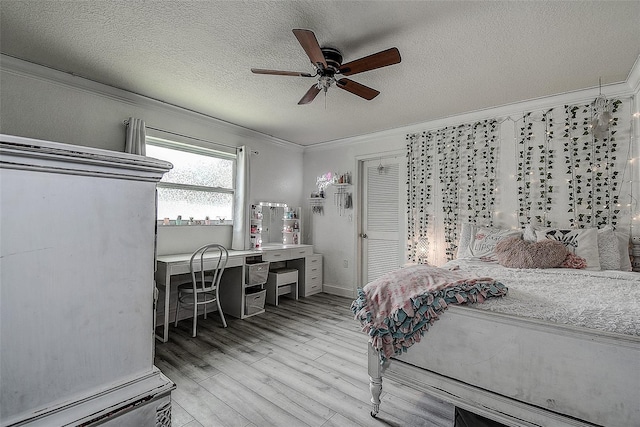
(363, 235)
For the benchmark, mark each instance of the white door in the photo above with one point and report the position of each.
(382, 217)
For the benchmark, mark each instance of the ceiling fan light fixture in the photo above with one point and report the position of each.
(325, 82)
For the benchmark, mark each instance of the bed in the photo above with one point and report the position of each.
(562, 348)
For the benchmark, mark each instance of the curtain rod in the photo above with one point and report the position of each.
(126, 123)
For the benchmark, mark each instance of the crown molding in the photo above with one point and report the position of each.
(16, 66)
(633, 79)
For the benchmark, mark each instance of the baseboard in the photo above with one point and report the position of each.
(338, 290)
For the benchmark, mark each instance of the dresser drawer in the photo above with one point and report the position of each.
(273, 255)
(311, 279)
(313, 289)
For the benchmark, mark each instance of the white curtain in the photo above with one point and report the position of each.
(136, 135)
(240, 201)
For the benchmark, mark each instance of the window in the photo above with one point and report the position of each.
(200, 185)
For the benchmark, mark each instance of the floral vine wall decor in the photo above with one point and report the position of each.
(564, 175)
(536, 160)
(458, 165)
(593, 167)
(419, 194)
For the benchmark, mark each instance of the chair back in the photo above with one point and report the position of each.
(208, 278)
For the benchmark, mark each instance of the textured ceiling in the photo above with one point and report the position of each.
(456, 56)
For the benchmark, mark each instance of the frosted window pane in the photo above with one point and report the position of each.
(194, 169)
(197, 204)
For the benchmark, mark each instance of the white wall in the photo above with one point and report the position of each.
(41, 103)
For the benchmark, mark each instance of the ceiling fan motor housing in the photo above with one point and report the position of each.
(333, 57)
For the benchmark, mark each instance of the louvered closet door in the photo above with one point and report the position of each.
(381, 218)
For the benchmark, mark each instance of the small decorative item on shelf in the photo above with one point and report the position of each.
(179, 220)
(166, 221)
(190, 222)
(207, 221)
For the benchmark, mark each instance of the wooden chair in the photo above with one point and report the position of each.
(205, 282)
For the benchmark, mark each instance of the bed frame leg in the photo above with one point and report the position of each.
(375, 379)
(375, 386)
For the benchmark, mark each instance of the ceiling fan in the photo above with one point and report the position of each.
(328, 64)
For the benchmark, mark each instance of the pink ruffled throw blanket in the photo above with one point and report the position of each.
(398, 308)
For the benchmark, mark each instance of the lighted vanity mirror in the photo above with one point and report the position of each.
(272, 214)
(280, 224)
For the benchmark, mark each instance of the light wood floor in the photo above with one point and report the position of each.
(302, 363)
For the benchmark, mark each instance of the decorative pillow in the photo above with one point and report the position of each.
(485, 240)
(623, 248)
(529, 232)
(608, 250)
(581, 242)
(464, 243)
(574, 261)
(514, 252)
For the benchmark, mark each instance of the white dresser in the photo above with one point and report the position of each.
(76, 284)
(312, 275)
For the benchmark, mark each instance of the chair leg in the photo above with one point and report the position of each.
(195, 314)
(205, 310)
(175, 323)
(224, 322)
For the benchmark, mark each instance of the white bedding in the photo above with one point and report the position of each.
(604, 300)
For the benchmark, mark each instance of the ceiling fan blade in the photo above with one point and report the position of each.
(310, 95)
(357, 89)
(371, 62)
(310, 45)
(280, 73)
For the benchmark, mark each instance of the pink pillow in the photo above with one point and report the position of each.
(514, 252)
(574, 261)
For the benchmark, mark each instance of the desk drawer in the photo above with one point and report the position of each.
(275, 255)
(301, 252)
(234, 261)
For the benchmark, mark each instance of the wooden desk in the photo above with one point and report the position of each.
(232, 284)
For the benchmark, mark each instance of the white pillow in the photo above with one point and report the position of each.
(582, 242)
(485, 240)
(529, 232)
(465, 241)
(608, 251)
(623, 248)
